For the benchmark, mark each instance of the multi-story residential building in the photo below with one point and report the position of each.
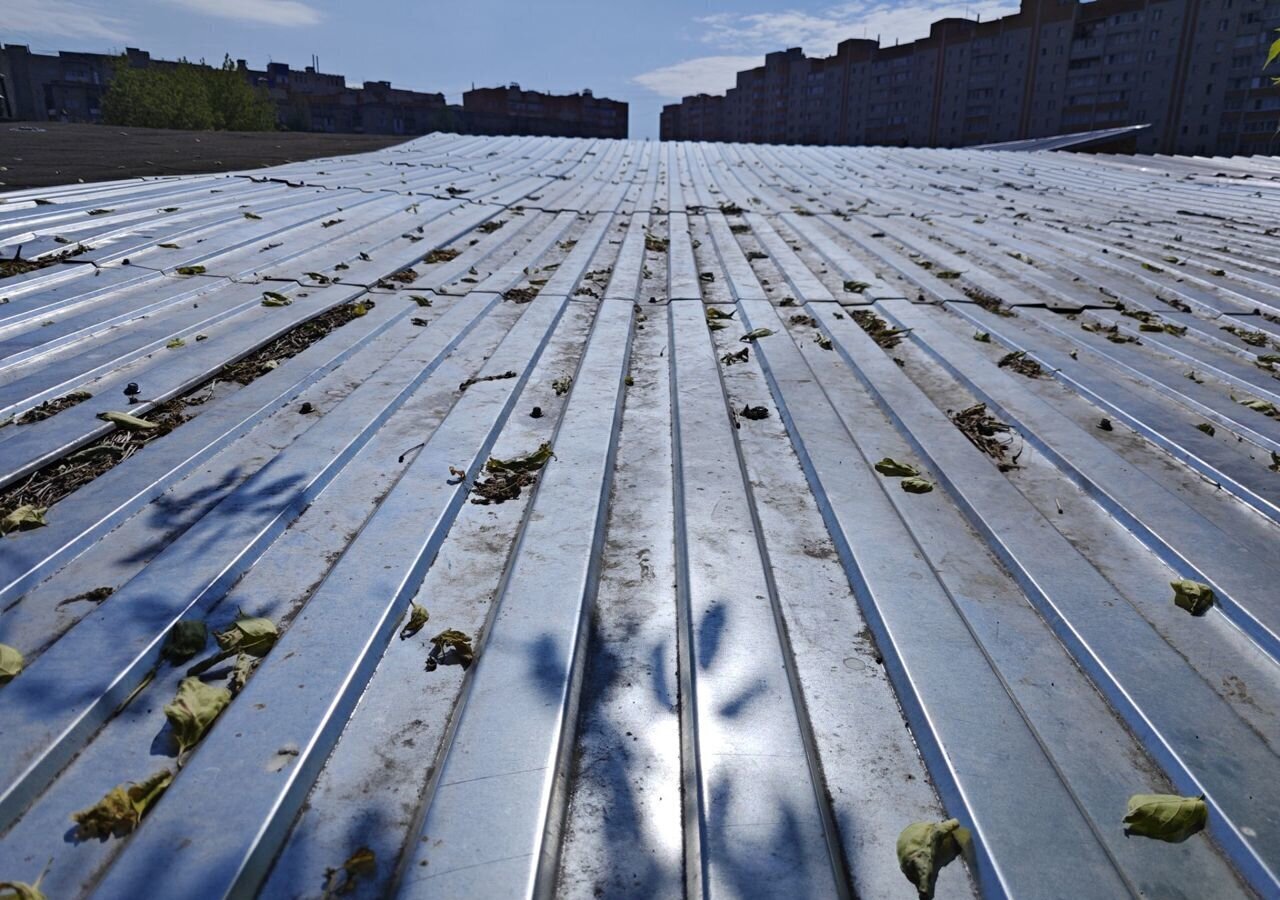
(580, 115)
(1191, 69)
(69, 87)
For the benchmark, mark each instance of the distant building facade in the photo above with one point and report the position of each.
(579, 115)
(1190, 68)
(70, 86)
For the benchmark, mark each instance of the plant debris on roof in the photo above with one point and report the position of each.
(878, 328)
(1019, 362)
(988, 434)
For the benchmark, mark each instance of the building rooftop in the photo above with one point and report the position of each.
(610, 414)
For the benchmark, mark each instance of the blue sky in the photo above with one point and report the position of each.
(647, 53)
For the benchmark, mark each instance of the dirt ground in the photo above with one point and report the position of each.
(60, 153)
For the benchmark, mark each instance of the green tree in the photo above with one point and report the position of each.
(186, 96)
(237, 105)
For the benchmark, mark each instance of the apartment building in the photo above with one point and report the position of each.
(69, 87)
(578, 115)
(1192, 69)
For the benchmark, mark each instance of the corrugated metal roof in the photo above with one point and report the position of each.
(698, 632)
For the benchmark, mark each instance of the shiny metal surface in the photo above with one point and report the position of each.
(716, 654)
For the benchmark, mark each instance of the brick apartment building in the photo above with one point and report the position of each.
(70, 86)
(1190, 68)
(581, 114)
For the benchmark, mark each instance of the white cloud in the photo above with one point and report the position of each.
(266, 12)
(61, 18)
(704, 75)
(819, 33)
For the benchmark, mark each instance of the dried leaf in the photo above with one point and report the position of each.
(856, 287)
(740, 357)
(916, 485)
(250, 215)
(240, 672)
(1020, 363)
(20, 890)
(418, 617)
(362, 863)
(193, 710)
(925, 847)
(894, 469)
(169, 246)
(190, 270)
(531, 462)
(1207, 429)
(754, 413)
(453, 644)
(249, 634)
(1263, 406)
(11, 663)
(878, 329)
(715, 313)
(24, 518)
(186, 639)
(561, 385)
(1194, 597)
(271, 298)
(126, 422)
(1165, 817)
(441, 255)
(176, 343)
(121, 810)
(982, 337)
(755, 334)
(984, 431)
(824, 342)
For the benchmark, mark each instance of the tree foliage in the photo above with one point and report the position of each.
(186, 96)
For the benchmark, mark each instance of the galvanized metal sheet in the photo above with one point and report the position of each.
(699, 627)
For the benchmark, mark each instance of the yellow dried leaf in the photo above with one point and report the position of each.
(122, 809)
(23, 518)
(193, 710)
(11, 663)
